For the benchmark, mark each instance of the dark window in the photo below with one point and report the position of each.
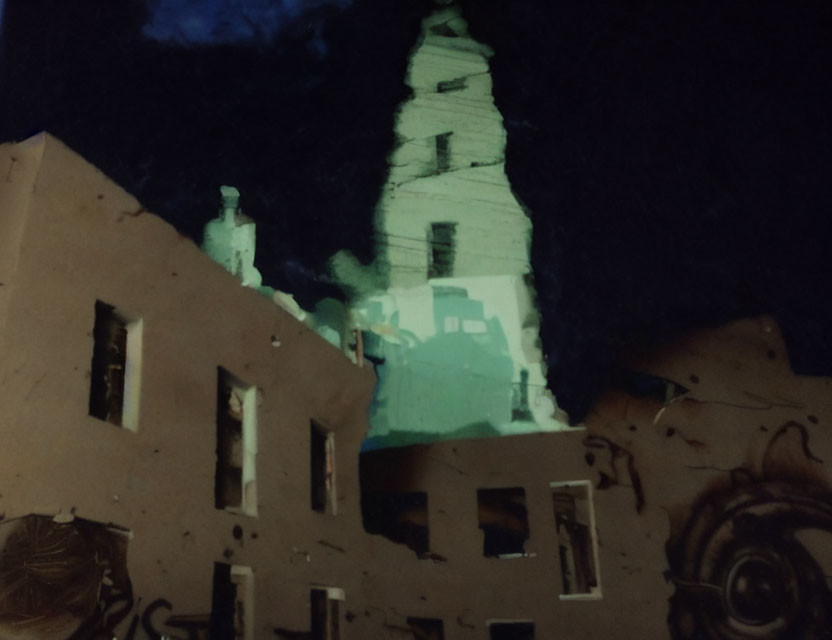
(231, 602)
(325, 616)
(576, 546)
(322, 468)
(446, 86)
(444, 29)
(234, 487)
(504, 521)
(426, 628)
(115, 372)
(400, 517)
(441, 237)
(511, 631)
(443, 152)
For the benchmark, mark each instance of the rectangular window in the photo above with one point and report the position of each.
(504, 521)
(232, 602)
(322, 468)
(235, 488)
(441, 238)
(511, 630)
(443, 152)
(457, 84)
(426, 628)
(115, 375)
(325, 622)
(577, 543)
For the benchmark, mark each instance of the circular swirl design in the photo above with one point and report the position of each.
(740, 569)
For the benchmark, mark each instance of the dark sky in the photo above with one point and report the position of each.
(675, 158)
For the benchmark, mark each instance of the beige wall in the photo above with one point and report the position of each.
(679, 453)
(85, 239)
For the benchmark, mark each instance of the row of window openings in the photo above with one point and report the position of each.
(114, 397)
(232, 612)
(503, 519)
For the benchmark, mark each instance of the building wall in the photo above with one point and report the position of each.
(713, 422)
(701, 486)
(87, 240)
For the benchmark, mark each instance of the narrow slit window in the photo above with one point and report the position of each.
(235, 485)
(443, 152)
(399, 517)
(322, 468)
(116, 367)
(442, 242)
(232, 602)
(325, 613)
(426, 628)
(446, 86)
(511, 630)
(577, 544)
(504, 521)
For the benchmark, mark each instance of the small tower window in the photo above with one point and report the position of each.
(443, 152)
(446, 86)
(441, 238)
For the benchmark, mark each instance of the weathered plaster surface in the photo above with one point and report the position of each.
(729, 421)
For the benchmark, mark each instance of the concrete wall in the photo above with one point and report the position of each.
(712, 505)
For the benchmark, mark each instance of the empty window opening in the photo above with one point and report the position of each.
(444, 29)
(520, 410)
(443, 151)
(116, 367)
(504, 521)
(400, 517)
(441, 238)
(235, 487)
(232, 602)
(325, 613)
(322, 466)
(426, 628)
(446, 86)
(511, 630)
(59, 573)
(577, 545)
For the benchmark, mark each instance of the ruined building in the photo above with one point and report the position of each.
(180, 455)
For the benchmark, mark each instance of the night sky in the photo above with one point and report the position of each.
(675, 158)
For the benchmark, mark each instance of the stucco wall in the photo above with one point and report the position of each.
(747, 435)
(87, 240)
